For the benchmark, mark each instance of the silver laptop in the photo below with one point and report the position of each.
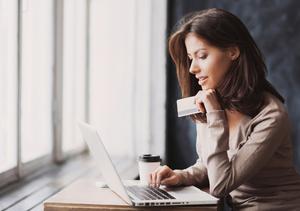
(139, 195)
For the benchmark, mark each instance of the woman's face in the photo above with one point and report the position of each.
(209, 64)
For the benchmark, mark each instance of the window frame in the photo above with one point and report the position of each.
(57, 105)
(8, 176)
(156, 99)
(40, 164)
(11, 175)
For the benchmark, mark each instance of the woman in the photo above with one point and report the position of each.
(243, 131)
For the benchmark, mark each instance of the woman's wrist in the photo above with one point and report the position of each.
(215, 115)
(179, 174)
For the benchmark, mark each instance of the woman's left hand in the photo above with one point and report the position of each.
(208, 99)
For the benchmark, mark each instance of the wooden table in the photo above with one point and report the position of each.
(85, 195)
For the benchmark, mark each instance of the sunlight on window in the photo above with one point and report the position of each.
(74, 72)
(36, 79)
(8, 84)
(112, 75)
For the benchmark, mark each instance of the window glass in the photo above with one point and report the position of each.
(36, 78)
(74, 72)
(112, 73)
(8, 84)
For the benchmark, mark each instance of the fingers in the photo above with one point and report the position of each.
(199, 102)
(206, 100)
(163, 173)
(200, 106)
(153, 176)
(158, 175)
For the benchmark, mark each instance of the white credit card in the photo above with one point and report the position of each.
(187, 106)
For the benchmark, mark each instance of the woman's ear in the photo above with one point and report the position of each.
(233, 52)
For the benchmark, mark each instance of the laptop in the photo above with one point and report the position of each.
(140, 195)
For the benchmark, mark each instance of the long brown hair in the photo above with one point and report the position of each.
(244, 85)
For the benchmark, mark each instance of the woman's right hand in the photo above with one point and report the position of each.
(164, 175)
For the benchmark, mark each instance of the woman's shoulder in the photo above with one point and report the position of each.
(272, 108)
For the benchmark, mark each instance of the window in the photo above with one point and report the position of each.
(36, 79)
(74, 72)
(127, 75)
(28, 106)
(79, 60)
(112, 73)
(8, 82)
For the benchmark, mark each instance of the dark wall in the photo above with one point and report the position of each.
(275, 26)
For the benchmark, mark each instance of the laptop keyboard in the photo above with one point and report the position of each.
(149, 193)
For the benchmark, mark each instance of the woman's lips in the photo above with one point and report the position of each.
(202, 80)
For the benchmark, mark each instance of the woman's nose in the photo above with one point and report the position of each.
(194, 68)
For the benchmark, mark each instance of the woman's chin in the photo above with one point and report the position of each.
(205, 87)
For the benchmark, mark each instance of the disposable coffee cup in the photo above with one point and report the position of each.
(147, 164)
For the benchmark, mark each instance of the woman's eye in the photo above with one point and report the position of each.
(203, 57)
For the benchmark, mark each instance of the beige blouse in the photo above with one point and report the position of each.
(254, 164)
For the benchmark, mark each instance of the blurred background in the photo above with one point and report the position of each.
(106, 62)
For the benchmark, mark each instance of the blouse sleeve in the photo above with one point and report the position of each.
(194, 175)
(265, 137)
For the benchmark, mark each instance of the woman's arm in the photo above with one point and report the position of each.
(266, 136)
(194, 175)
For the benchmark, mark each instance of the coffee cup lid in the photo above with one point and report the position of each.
(149, 158)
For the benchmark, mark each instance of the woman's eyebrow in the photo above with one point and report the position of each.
(199, 49)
